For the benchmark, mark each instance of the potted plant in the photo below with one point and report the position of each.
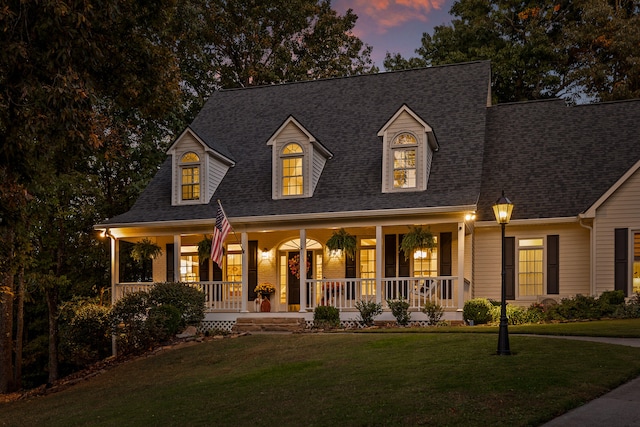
(145, 249)
(342, 240)
(417, 238)
(204, 248)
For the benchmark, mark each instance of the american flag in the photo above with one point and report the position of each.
(220, 232)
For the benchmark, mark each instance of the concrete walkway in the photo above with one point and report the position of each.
(618, 408)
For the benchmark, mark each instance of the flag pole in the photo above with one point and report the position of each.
(232, 229)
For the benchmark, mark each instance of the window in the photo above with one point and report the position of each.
(368, 266)
(425, 262)
(530, 267)
(189, 264)
(404, 161)
(636, 262)
(190, 171)
(292, 177)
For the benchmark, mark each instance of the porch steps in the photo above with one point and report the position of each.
(269, 324)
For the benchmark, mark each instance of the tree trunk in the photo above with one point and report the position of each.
(52, 304)
(6, 334)
(17, 378)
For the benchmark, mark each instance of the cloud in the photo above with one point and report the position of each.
(387, 14)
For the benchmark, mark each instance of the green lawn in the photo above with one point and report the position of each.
(365, 379)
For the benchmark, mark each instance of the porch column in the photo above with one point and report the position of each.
(303, 270)
(379, 257)
(245, 271)
(115, 264)
(461, 234)
(177, 242)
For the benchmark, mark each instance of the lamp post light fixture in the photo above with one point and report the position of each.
(502, 209)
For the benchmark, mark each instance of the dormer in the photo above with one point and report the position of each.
(197, 170)
(298, 160)
(408, 146)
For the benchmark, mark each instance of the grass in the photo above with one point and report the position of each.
(402, 378)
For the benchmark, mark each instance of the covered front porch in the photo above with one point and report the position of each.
(258, 253)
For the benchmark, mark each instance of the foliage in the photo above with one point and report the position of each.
(400, 310)
(477, 310)
(344, 241)
(84, 333)
(629, 310)
(189, 300)
(264, 288)
(516, 315)
(434, 312)
(326, 316)
(417, 238)
(128, 323)
(204, 248)
(368, 311)
(144, 250)
(163, 322)
(578, 51)
(578, 308)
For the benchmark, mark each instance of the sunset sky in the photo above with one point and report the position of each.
(395, 26)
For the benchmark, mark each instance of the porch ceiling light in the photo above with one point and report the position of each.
(502, 209)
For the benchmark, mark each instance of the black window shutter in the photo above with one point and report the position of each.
(621, 255)
(252, 280)
(404, 264)
(390, 255)
(445, 254)
(510, 267)
(350, 272)
(553, 264)
(170, 262)
(204, 270)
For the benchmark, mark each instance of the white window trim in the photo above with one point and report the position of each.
(305, 169)
(201, 174)
(544, 246)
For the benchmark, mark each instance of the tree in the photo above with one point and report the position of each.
(542, 49)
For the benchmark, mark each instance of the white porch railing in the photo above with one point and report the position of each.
(219, 296)
(340, 293)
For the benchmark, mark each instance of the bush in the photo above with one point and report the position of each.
(84, 333)
(164, 322)
(631, 310)
(477, 310)
(610, 301)
(578, 308)
(128, 323)
(188, 300)
(368, 310)
(400, 310)
(326, 316)
(434, 312)
(516, 315)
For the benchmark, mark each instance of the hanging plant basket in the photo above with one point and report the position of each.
(417, 238)
(343, 241)
(144, 250)
(204, 248)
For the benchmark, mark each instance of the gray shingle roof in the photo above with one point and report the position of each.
(553, 160)
(344, 115)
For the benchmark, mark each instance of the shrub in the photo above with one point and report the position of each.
(630, 310)
(400, 310)
(188, 300)
(580, 307)
(326, 316)
(434, 312)
(368, 310)
(128, 322)
(536, 313)
(477, 310)
(516, 315)
(163, 322)
(609, 301)
(84, 333)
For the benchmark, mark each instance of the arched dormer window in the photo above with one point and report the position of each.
(190, 176)
(404, 148)
(292, 160)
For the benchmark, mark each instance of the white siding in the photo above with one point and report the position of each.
(574, 258)
(318, 166)
(621, 210)
(216, 172)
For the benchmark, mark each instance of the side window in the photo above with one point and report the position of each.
(530, 267)
(291, 159)
(404, 148)
(425, 262)
(190, 176)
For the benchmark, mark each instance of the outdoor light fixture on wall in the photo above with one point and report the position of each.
(502, 209)
(265, 255)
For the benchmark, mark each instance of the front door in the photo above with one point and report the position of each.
(293, 278)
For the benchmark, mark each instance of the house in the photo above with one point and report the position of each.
(375, 155)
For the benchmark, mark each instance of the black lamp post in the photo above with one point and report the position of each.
(502, 209)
